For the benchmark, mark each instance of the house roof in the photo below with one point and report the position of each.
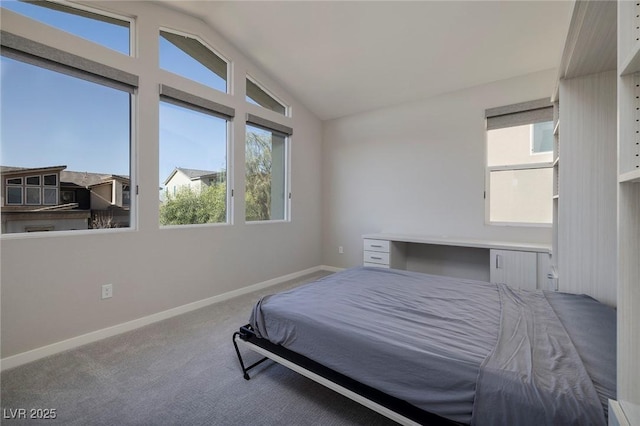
(82, 179)
(11, 170)
(86, 179)
(192, 174)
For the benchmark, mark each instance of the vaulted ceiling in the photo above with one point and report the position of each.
(342, 58)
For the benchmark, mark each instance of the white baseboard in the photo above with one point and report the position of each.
(616, 414)
(74, 342)
(329, 268)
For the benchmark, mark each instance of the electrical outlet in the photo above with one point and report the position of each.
(340, 250)
(107, 291)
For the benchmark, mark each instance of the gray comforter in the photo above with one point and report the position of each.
(469, 351)
(534, 375)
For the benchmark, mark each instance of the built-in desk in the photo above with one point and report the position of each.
(521, 265)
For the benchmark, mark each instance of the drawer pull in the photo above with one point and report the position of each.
(376, 245)
(376, 257)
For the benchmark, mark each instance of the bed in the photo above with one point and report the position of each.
(433, 349)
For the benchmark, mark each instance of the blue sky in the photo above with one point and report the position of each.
(52, 119)
(113, 36)
(49, 118)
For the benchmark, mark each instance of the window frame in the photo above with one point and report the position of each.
(205, 106)
(90, 10)
(26, 186)
(12, 185)
(7, 183)
(6, 200)
(52, 37)
(31, 188)
(54, 59)
(31, 177)
(44, 180)
(229, 78)
(515, 167)
(287, 108)
(287, 133)
(44, 197)
(524, 107)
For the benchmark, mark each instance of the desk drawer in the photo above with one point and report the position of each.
(376, 257)
(376, 245)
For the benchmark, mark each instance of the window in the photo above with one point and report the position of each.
(50, 196)
(14, 195)
(259, 96)
(13, 191)
(519, 164)
(50, 189)
(542, 137)
(190, 58)
(57, 119)
(126, 195)
(193, 159)
(67, 121)
(33, 195)
(266, 190)
(33, 180)
(104, 29)
(50, 180)
(67, 197)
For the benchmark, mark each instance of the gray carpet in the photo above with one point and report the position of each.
(181, 371)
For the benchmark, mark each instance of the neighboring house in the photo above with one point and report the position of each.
(52, 199)
(196, 180)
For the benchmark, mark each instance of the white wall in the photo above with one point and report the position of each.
(417, 168)
(51, 284)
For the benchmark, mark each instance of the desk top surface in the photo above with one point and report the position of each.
(444, 240)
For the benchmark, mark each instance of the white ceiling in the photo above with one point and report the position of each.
(341, 58)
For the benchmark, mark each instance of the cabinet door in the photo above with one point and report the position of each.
(517, 269)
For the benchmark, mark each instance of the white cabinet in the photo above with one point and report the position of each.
(376, 253)
(379, 258)
(520, 265)
(382, 254)
(547, 275)
(518, 269)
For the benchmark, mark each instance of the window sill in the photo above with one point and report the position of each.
(259, 222)
(66, 233)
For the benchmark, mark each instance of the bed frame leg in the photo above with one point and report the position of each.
(245, 370)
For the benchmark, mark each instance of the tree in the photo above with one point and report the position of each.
(102, 220)
(258, 162)
(190, 207)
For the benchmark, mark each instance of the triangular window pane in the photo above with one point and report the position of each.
(256, 95)
(191, 59)
(105, 30)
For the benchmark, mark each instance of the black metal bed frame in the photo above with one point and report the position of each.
(398, 406)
